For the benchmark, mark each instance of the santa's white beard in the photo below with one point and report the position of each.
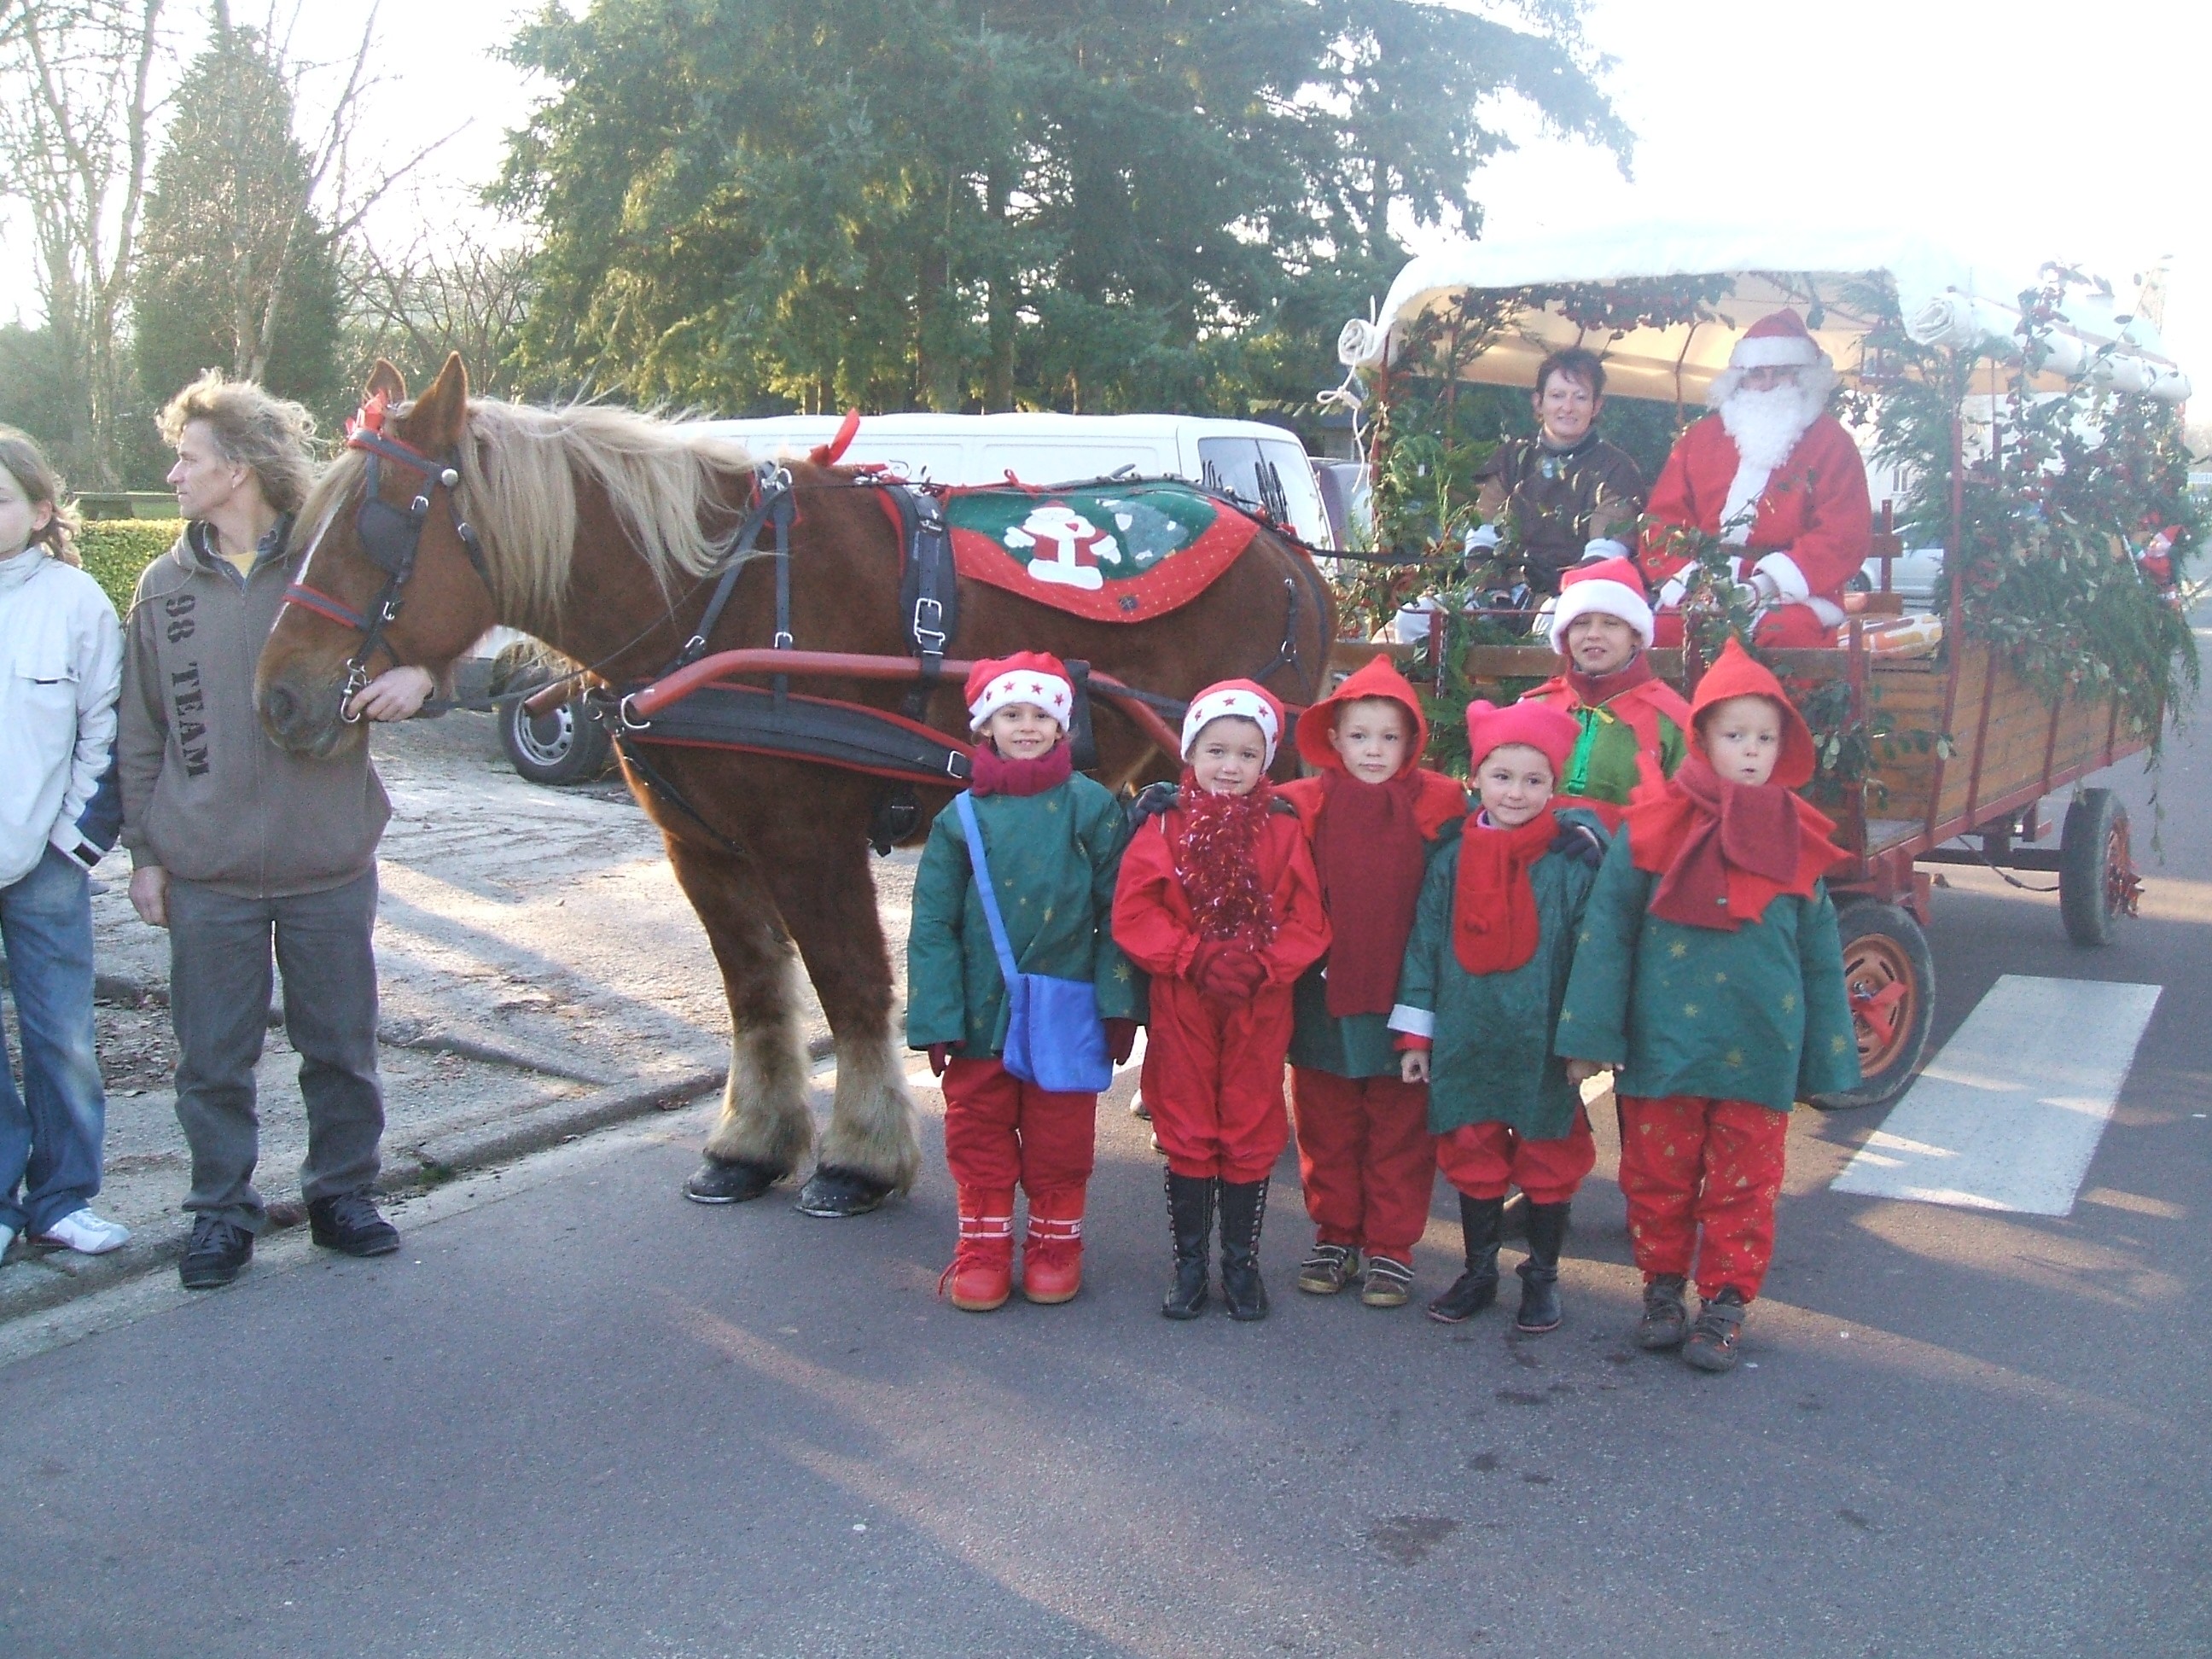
(1765, 427)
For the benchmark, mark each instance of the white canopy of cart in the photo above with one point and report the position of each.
(1824, 274)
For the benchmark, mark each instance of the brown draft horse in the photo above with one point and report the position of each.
(601, 531)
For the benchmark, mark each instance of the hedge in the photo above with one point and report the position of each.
(115, 551)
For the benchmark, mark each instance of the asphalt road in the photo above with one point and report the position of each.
(579, 1416)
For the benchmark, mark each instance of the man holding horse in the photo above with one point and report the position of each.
(237, 844)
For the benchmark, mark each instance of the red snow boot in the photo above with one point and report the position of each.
(1052, 1254)
(982, 1271)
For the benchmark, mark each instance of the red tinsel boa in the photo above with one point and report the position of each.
(1216, 857)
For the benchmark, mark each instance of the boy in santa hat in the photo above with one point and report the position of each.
(1219, 903)
(1480, 993)
(1710, 975)
(1052, 839)
(1631, 721)
(1372, 814)
(1777, 479)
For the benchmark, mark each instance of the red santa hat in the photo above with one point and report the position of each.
(1551, 732)
(1610, 587)
(1242, 700)
(1030, 677)
(1777, 340)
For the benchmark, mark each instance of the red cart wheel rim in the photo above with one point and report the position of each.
(2120, 881)
(1885, 999)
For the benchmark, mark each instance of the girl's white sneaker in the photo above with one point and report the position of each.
(85, 1233)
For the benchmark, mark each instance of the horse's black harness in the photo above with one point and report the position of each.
(390, 538)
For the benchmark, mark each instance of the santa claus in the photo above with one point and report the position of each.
(1771, 473)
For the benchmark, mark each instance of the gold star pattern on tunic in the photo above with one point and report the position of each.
(1678, 949)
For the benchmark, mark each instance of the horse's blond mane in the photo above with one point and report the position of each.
(519, 471)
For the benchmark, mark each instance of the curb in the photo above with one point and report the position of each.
(63, 1278)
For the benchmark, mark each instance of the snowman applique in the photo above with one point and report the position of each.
(1066, 546)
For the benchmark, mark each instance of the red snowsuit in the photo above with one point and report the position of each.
(1213, 1069)
(1366, 1160)
(1812, 530)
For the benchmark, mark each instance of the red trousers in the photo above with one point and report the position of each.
(1000, 1131)
(1785, 628)
(1213, 1080)
(1483, 1159)
(1690, 1165)
(1366, 1158)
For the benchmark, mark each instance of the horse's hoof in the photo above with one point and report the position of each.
(838, 1192)
(730, 1181)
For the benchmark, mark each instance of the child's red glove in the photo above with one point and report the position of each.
(1234, 973)
(940, 1054)
(1120, 1038)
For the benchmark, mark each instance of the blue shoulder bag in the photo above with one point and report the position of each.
(1054, 1038)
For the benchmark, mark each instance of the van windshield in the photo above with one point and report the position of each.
(1271, 475)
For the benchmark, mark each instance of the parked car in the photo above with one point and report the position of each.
(1917, 573)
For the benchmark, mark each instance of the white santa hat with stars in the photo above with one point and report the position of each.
(1032, 677)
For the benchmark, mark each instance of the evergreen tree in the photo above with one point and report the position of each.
(1090, 204)
(235, 272)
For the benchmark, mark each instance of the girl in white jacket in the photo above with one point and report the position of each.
(61, 667)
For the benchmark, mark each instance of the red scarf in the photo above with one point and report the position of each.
(992, 774)
(1494, 922)
(1367, 843)
(1217, 858)
(1722, 850)
(1595, 690)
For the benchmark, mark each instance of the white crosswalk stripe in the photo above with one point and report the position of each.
(2009, 1114)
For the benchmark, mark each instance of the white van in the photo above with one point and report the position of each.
(1262, 465)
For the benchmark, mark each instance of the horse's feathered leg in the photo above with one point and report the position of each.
(765, 1130)
(871, 1147)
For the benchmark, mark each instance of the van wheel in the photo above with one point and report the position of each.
(562, 745)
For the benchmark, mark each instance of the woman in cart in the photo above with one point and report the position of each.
(1565, 495)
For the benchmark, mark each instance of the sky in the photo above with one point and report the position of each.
(2016, 131)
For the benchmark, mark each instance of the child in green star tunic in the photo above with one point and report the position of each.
(1052, 839)
(1478, 994)
(1710, 973)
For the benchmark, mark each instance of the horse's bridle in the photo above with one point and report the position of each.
(390, 537)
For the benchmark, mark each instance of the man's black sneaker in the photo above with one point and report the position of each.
(349, 1224)
(218, 1249)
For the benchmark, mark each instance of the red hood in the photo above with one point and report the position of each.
(1737, 673)
(1378, 677)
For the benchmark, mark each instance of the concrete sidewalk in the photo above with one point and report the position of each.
(541, 976)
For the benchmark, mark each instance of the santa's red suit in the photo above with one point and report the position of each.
(1804, 524)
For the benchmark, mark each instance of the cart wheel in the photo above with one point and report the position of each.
(2096, 881)
(1890, 976)
(562, 745)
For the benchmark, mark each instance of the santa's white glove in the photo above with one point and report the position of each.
(1483, 538)
(1765, 589)
(1671, 592)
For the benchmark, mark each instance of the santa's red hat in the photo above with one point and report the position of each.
(1376, 677)
(1243, 700)
(1550, 732)
(1777, 340)
(1609, 587)
(1031, 676)
(1736, 673)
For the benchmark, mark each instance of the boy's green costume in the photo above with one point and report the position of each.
(1492, 1062)
(1055, 857)
(1759, 1014)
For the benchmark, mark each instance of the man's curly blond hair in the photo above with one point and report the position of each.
(252, 428)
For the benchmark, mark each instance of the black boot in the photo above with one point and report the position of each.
(1479, 1221)
(1540, 1273)
(1243, 1208)
(1190, 1215)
